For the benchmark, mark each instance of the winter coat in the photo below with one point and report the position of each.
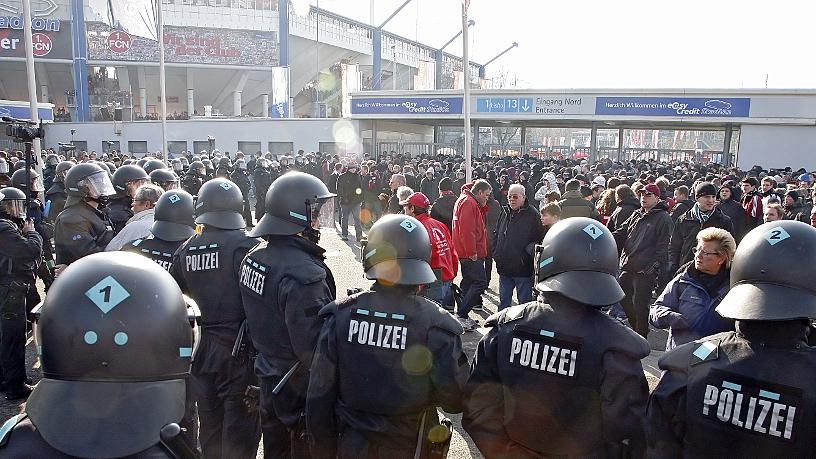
(350, 188)
(622, 213)
(684, 236)
(469, 231)
(734, 210)
(442, 209)
(573, 205)
(688, 311)
(644, 239)
(680, 208)
(514, 241)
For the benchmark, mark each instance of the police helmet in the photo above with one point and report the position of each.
(63, 167)
(178, 166)
(19, 164)
(198, 167)
(125, 175)
(87, 180)
(240, 164)
(12, 201)
(143, 161)
(292, 202)
(398, 251)
(162, 177)
(219, 204)
(173, 220)
(18, 180)
(114, 357)
(153, 165)
(224, 162)
(52, 160)
(760, 288)
(578, 259)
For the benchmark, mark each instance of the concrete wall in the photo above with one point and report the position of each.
(304, 134)
(777, 146)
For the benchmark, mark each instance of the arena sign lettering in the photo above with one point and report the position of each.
(37, 24)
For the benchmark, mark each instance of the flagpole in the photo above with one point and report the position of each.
(162, 88)
(466, 96)
(32, 84)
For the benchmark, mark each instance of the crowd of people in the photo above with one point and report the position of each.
(692, 248)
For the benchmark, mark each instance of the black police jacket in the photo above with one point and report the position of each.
(80, 230)
(55, 200)
(19, 252)
(20, 439)
(156, 249)
(383, 357)
(745, 393)
(206, 267)
(557, 379)
(263, 180)
(191, 183)
(118, 212)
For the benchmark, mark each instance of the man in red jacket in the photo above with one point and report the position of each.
(470, 242)
(443, 259)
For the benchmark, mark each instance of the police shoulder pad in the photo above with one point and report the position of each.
(8, 426)
(504, 316)
(705, 351)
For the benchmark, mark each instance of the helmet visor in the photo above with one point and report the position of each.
(98, 184)
(4, 167)
(14, 208)
(322, 213)
(37, 183)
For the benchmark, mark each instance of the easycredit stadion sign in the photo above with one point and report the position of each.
(695, 107)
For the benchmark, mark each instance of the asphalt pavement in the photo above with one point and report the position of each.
(343, 258)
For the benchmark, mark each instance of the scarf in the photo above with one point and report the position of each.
(699, 215)
(711, 282)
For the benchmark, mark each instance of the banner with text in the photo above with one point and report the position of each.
(406, 106)
(48, 44)
(187, 45)
(696, 107)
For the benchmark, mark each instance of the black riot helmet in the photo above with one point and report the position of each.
(224, 162)
(87, 180)
(292, 203)
(398, 251)
(125, 175)
(579, 260)
(18, 180)
(52, 160)
(62, 169)
(219, 204)
(164, 178)
(141, 162)
(198, 168)
(19, 164)
(173, 219)
(761, 289)
(12, 202)
(114, 356)
(153, 165)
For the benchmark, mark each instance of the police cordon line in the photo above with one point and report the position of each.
(234, 332)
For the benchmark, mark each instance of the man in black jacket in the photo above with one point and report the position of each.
(442, 208)
(682, 203)
(702, 215)
(517, 232)
(644, 243)
(350, 194)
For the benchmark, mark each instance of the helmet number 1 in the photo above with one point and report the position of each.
(107, 292)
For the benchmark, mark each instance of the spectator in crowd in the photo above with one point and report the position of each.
(350, 194)
(751, 204)
(332, 186)
(626, 204)
(429, 186)
(470, 241)
(391, 203)
(729, 204)
(703, 214)
(550, 215)
(519, 229)
(769, 191)
(773, 212)
(402, 194)
(644, 243)
(442, 208)
(687, 305)
(574, 204)
(795, 209)
(138, 226)
(813, 216)
(682, 203)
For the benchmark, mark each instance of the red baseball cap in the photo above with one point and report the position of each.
(650, 188)
(417, 200)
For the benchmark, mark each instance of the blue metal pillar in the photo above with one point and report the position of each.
(376, 43)
(80, 66)
(440, 59)
(283, 33)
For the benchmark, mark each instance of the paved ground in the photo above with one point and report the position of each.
(343, 259)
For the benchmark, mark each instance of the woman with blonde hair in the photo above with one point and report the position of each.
(687, 305)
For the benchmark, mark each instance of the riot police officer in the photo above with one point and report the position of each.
(165, 178)
(81, 228)
(240, 176)
(152, 165)
(55, 195)
(36, 212)
(747, 393)
(20, 252)
(114, 358)
(172, 225)
(284, 283)
(207, 267)
(126, 180)
(557, 377)
(390, 355)
(263, 180)
(224, 168)
(194, 178)
(50, 170)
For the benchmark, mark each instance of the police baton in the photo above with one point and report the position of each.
(279, 387)
(171, 437)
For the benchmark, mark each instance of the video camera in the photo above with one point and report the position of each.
(66, 147)
(23, 130)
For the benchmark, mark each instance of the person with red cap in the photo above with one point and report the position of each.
(444, 261)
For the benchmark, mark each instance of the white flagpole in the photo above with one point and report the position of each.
(32, 83)
(162, 89)
(466, 98)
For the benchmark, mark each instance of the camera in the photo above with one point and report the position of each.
(23, 132)
(66, 146)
